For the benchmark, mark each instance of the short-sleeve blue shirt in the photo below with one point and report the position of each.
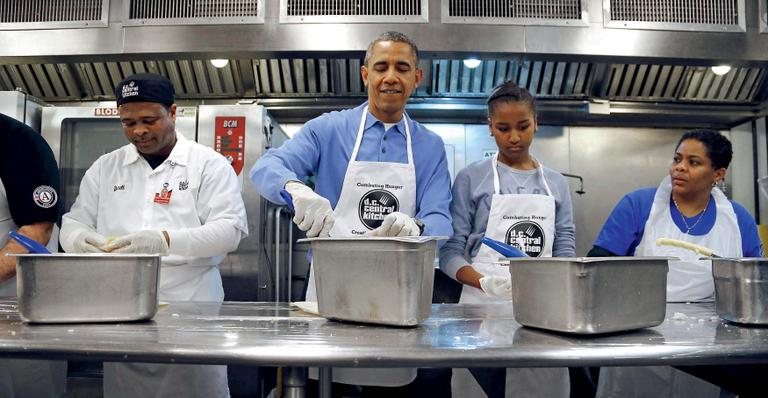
(623, 230)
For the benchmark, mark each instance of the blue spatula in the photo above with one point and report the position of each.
(503, 248)
(30, 244)
(287, 198)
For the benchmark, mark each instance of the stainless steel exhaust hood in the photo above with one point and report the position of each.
(301, 57)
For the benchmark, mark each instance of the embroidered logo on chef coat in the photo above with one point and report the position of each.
(527, 236)
(183, 185)
(375, 205)
(120, 187)
(45, 196)
(164, 197)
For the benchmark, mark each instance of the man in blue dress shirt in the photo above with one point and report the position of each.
(377, 172)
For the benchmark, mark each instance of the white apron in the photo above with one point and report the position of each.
(689, 279)
(370, 191)
(25, 377)
(527, 221)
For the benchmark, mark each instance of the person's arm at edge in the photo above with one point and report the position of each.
(564, 244)
(41, 232)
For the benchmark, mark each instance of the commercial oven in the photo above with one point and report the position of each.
(259, 269)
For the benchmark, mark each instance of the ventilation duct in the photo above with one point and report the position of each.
(53, 14)
(193, 12)
(682, 83)
(693, 15)
(516, 12)
(354, 11)
(541, 78)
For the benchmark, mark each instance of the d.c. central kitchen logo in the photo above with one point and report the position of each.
(527, 236)
(375, 205)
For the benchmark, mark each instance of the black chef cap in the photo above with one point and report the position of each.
(145, 87)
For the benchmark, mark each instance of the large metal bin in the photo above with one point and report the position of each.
(382, 280)
(741, 289)
(589, 295)
(59, 288)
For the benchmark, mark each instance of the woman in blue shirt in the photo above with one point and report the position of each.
(686, 206)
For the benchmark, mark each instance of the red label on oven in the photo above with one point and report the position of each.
(229, 140)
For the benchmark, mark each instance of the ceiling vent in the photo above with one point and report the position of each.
(516, 12)
(193, 12)
(691, 15)
(354, 11)
(53, 14)
(673, 83)
(541, 78)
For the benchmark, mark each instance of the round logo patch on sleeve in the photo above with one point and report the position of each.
(45, 196)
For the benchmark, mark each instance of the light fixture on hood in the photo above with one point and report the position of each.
(721, 69)
(471, 63)
(219, 62)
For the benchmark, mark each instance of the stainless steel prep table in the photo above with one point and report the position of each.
(456, 335)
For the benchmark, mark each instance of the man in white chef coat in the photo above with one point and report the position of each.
(160, 194)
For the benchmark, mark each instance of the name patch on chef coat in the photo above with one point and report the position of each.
(527, 236)
(164, 196)
(375, 205)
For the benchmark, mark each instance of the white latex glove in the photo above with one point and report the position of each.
(87, 241)
(497, 286)
(396, 224)
(144, 242)
(312, 212)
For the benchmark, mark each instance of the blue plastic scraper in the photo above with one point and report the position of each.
(30, 244)
(503, 248)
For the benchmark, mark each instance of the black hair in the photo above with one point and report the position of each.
(395, 37)
(719, 148)
(508, 92)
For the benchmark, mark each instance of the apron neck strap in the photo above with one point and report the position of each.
(497, 184)
(361, 128)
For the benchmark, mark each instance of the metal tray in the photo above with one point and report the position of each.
(61, 288)
(378, 280)
(741, 289)
(589, 295)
